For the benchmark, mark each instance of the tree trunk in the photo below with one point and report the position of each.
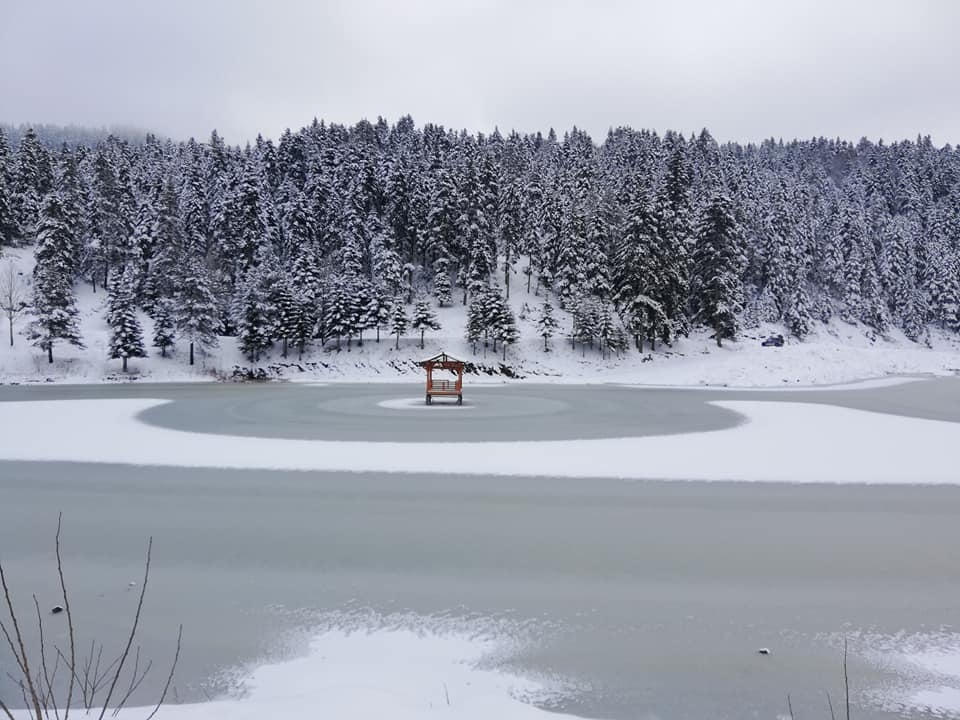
(719, 336)
(529, 277)
(50, 352)
(106, 277)
(191, 352)
(398, 341)
(10, 318)
(422, 331)
(545, 348)
(285, 345)
(378, 334)
(163, 351)
(504, 352)
(124, 364)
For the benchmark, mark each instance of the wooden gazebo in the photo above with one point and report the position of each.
(448, 388)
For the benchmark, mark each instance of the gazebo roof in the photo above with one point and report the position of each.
(441, 359)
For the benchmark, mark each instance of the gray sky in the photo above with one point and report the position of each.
(747, 70)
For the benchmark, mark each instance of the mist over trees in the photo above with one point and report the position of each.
(334, 230)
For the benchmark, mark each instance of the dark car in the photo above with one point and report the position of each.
(773, 341)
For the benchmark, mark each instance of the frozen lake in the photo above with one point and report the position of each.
(645, 598)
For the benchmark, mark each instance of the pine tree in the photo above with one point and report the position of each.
(197, 314)
(424, 318)
(9, 225)
(33, 179)
(506, 328)
(716, 285)
(163, 325)
(546, 324)
(798, 313)
(126, 334)
(398, 320)
(54, 302)
(441, 283)
(476, 322)
(254, 312)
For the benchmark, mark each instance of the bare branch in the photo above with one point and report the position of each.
(134, 684)
(846, 677)
(48, 692)
(11, 645)
(66, 607)
(173, 667)
(133, 631)
(24, 661)
(6, 711)
(830, 705)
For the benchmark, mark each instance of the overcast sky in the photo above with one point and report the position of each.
(747, 70)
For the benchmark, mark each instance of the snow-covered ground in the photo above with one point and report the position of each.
(834, 353)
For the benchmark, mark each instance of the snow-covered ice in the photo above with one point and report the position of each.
(780, 442)
(384, 674)
(927, 667)
(418, 403)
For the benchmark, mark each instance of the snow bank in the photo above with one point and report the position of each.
(782, 442)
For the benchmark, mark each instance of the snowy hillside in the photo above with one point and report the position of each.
(833, 353)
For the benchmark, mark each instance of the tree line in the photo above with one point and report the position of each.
(333, 231)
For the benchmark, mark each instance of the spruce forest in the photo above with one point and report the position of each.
(335, 231)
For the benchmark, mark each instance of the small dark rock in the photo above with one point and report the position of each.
(56, 610)
(764, 651)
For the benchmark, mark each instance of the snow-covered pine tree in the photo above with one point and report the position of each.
(254, 313)
(441, 282)
(9, 225)
(359, 302)
(797, 316)
(164, 325)
(546, 324)
(197, 315)
(511, 228)
(476, 322)
(645, 319)
(338, 312)
(424, 318)
(54, 302)
(716, 286)
(398, 320)
(506, 330)
(33, 179)
(605, 328)
(126, 334)
(378, 311)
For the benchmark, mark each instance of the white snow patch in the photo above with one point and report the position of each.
(781, 442)
(397, 673)
(927, 666)
(867, 384)
(419, 404)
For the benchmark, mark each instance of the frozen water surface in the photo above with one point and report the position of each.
(599, 597)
